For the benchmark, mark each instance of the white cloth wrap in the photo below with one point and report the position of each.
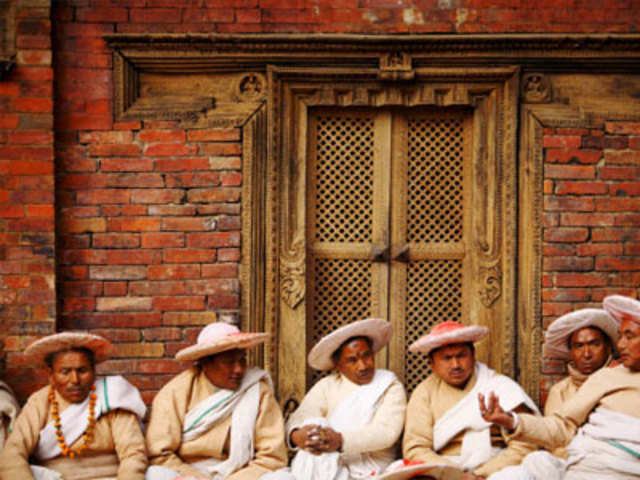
(539, 465)
(591, 457)
(352, 413)
(112, 392)
(242, 404)
(465, 415)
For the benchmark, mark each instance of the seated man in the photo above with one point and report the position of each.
(443, 425)
(584, 338)
(9, 407)
(79, 426)
(600, 423)
(218, 419)
(348, 424)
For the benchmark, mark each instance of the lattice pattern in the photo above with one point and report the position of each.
(435, 180)
(342, 294)
(344, 184)
(434, 295)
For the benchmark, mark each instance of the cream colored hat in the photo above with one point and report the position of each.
(60, 342)
(559, 332)
(219, 337)
(622, 308)
(405, 469)
(378, 330)
(447, 333)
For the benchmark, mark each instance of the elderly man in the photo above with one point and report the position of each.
(9, 407)
(601, 422)
(79, 426)
(218, 419)
(348, 424)
(443, 425)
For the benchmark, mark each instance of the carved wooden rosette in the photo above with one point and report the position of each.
(265, 85)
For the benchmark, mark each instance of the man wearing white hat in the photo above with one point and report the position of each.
(443, 424)
(217, 420)
(79, 426)
(585, 339)
(348, 424)
(600, 423)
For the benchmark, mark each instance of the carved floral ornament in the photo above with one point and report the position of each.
(536, 88)
(292, 272)
(491, 281)
(250, 87)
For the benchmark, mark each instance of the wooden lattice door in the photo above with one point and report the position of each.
(389, 200)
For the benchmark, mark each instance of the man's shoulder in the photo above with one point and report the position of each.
(180, 383)
(560, 385)
(38, 397)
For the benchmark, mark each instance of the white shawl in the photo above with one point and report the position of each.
(352, 413)
(243, 405)
(112, 392)
(465, 416)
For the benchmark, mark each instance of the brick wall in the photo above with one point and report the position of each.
(148, 213)
(27, 266)
(591, 221)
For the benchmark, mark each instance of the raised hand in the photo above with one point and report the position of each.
(492, 412)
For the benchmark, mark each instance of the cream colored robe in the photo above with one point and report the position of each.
(378, 437)
(116, 449)
(616, 389)
(181, 394)
(431, 399)
(9, 409)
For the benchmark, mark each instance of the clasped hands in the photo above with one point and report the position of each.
(316, 439)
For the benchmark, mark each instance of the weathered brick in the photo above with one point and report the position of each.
(580, 280)
(80, 225)
(619, 173)
(573, 156)
(134, 257)
(213, 239)
(100, 197)
(157, 196)
(625, 157)
(169, 150)
(623, 128)
(225, 163)
(116, 240)
(178, 303)
(566, 234)
(181, 164)
(188, 318)
(206, 195)
(229, 254)
(137, 350)
(563, 204)
(114, 150)
(161, 136)
(162, 240)
(220, 271)
(198, 179)
(581, 188)
(618, 204)
(123, 304)
(586, 219)
(230, 135)
(626, 188)
(172, 210)
(163, 272)
(570, 171)
(117, 272)
(162, 334)
(568, 264)
(157, 288)
(188, 224)
(189, 255)
(223, 301)
(599, 249)
(131, 224)
(115, 289)
(617, 263)
(116, 164)
(214, 286)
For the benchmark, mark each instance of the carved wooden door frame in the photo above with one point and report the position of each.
(256, 83)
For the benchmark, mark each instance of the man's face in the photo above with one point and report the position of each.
(71, 375)
(629, 344)
(588, 350)
(226, 369)
(356, 361)
(454, 363)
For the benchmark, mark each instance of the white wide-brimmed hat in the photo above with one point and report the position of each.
(561, 329)
(219, 337)
(405, 469)
(622, 308)
(447, 333)
(61, 342)
(378, 330)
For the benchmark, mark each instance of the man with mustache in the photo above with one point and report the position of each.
(600, 423)
(348, 424)
(443, 425)
(79, 427)
(217, 420)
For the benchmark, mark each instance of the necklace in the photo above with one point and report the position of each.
(88, 434)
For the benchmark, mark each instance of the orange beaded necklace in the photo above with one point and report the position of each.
(88, 433)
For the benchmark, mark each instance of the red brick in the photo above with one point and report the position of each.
(566, 234)
(123, 304)
(157, 366)
(581, 280)
(82, 289)
(203, 179)
(154, 15)
(220, 271)
(132, 224)
(9, 120)
(623, 128)
(184, 224)
(45, 211)
(586, 219)
(134, 180)
(619, 173)
(115, 289)
(229, 254)
(618, 204)
(114, 150)
(161, 136)
(223, 301)
(78, 304)
(116, 240)
(162, 240)
(634, 143)
(569, 171)
(172, 210)
(215, 286)
(231, 179)
(174, 272)
(614, 235)
(580, 188)
(31, 167)
(182, 164)
(225, 163)
(631, 189)
(157, 288)
(82, 121)
(563, 204)
(188, 318)
(33, 105)
(217, 15)
(81, 225)
(573, 156)
(632, 249)
(133, 257)
(566, 295)
(617, 263)
(202, 195)
(102, 15)
(213, 239)
(110, 137)
(9, 89)
(157, 196)
(126, 165)
(169, 150)
(626, 157)
(34, 57)
(162, 334)
(11, 211)
(31, 137)
(178, 303)
(627, 219)
(100, 197)
(189, 255)
(220, 149)
(567, 264)
(231, 135)
(117, 320)
(599, 249)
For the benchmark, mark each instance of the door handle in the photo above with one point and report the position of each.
(403, 255)
(381, 254)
